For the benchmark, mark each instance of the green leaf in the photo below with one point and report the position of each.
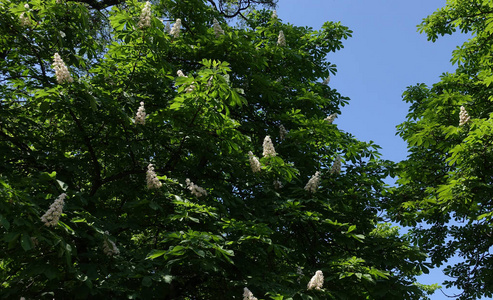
(199, 252)
(93, 103)
(11, 239)
(44, 106)
(62, 185)
(351, 228)
(155, 254)
(147, 281)
(177, 104)
(5, 223)
(67, 228)
(51, 272)
(26, 242)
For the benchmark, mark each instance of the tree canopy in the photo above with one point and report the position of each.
(152, 151)
(445, 185)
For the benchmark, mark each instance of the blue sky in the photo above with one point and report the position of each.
(385, 55)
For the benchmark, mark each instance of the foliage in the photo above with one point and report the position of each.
(121, 238)
(446, 182)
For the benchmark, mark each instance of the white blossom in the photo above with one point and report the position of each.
(167, 27)
(336, 166)
(299, 271)
(25, 20)
(247, 295)
(196, 190)
(62, 34)
(282, 132)
(152, 180)
(312, 184)
(463, 116)
(331, 118)
(175, 30)
(52, 215)
(140, 118)
(145, 16)
(254, 162)
(274, 14)
(269, 150)
(281, 40)
(277, 184)
(218, 31)
(110, 248)
(35, 241)
(61, 71)
(26, 6)
(327, 80)
(191, 87)
(227, 78)
(317, 281)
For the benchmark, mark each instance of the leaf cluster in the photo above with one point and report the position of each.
(209, 99)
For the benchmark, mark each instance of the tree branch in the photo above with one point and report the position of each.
(97, 182)
(100, 5)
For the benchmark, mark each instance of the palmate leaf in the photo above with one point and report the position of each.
(446, 181)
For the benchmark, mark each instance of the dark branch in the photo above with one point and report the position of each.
(97, 182)
(242, 5)
(99, 5)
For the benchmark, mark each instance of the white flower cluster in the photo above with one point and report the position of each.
(331, 118)
(463, 116)
(209, 81)
(277, 184)
(196, 190)
(52, 215)
(145, 16)
(191, 87)
(35, 241)
(327, 80)
(336, 166)
(152, 180)
(274, 14)
(317, 281)
(140, 118)
(175, 30)
(282, 132)
(247, 295)
(254, 162)
(269, 150)
(26, 6)
(218, 31)
(25, 20)
(61, 71)
(110, 248)
(167, 27)
(281, 40)
(312, 184)
(227, 78)
(299, 271)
